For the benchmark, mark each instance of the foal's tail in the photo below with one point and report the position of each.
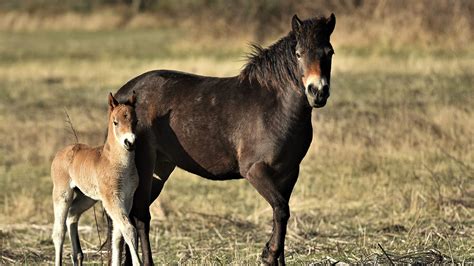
(69, 121)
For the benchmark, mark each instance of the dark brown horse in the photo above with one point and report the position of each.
(256, 125)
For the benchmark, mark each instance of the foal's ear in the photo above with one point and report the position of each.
(133, 99)
(331, 23)
(296, 24)
(112, 101)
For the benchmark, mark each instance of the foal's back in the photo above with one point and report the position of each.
(80, 165)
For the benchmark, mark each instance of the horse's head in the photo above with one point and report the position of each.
(123, 121)
(314, 54)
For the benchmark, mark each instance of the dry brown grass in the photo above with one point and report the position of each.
(391, 163)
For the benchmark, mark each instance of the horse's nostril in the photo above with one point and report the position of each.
(312, 88)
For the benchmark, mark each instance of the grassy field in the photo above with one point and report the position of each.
(392, 160)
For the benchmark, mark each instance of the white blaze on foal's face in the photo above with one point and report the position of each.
(124, 121)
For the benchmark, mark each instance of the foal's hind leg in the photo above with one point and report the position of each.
(79, 205)
(62, 197)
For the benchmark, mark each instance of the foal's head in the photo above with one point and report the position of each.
(314, 54)
(123, 121)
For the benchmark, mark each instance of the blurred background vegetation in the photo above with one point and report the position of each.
(393, 24)
(392, 158)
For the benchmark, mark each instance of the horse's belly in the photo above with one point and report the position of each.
(208, 162)
(202, 154)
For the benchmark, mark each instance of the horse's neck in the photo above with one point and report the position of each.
(292, 111)
(274, 68)
(115, 154)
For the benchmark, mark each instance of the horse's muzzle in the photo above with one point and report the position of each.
(319, 95)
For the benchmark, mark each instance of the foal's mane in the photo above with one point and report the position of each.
(274, 67)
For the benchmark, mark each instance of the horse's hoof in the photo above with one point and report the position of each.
(268, 258)
(281, 261)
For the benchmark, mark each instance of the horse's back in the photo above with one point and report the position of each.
(188, 114)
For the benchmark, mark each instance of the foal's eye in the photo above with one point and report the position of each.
(298, 54)
(115, 123)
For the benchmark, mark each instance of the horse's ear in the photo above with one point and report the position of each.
(296, 24)
(112, 101)
(331, 23)
(133, 99)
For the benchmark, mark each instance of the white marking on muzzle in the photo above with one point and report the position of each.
(322, 82)
(312, 79)
(318, 82)
(130, 137)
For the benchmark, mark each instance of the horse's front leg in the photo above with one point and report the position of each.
(285, 186)
(263, 178)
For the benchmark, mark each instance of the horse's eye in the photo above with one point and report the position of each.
(115, 123)
(330, 52)
(298, 55)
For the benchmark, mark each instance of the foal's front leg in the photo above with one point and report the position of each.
(261, 177)
(121, 227)
(145, 158)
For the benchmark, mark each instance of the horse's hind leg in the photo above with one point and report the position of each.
(62, 197)
(80, 204)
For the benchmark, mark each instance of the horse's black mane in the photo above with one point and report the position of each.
(272, 67)
(276, 66)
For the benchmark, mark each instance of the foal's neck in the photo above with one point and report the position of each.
(115, 153)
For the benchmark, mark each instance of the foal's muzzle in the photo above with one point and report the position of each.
(128, 141)
(318, 94)
(130, 146)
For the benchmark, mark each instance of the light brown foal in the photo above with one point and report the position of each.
(106, 173)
